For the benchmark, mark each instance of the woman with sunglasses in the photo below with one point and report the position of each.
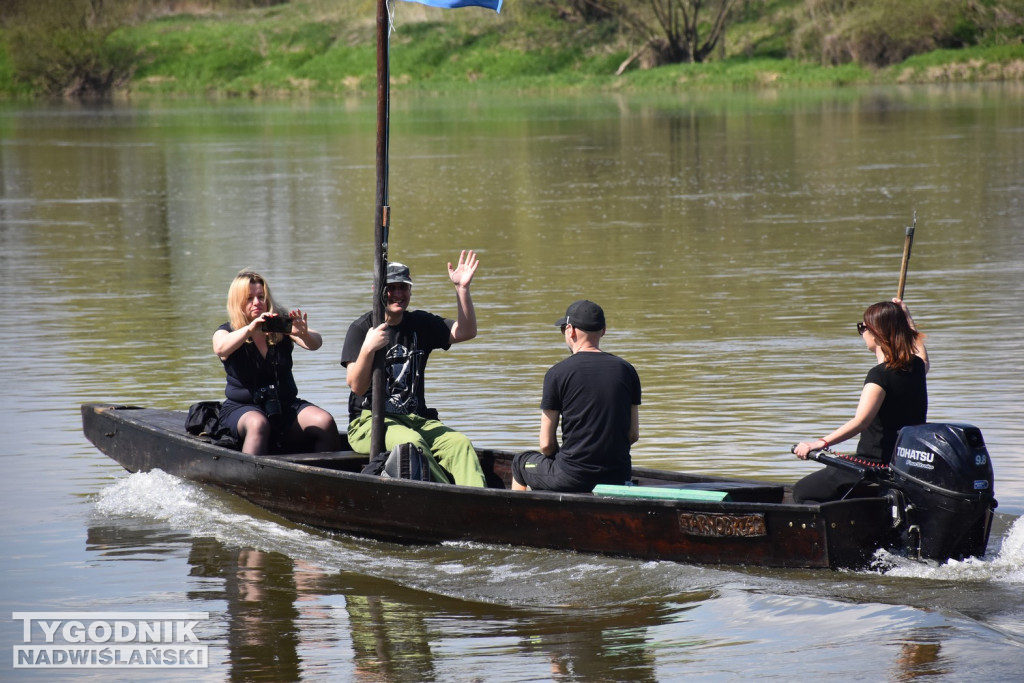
(895, 395)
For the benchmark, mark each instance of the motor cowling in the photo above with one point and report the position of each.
(945, 474)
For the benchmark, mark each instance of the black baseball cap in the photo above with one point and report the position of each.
(398, 272)
(583, 315)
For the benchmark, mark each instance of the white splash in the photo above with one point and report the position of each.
(1006, 566)
(162, 497)
(153, 495)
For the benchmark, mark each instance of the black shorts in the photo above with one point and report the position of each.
(541, 473)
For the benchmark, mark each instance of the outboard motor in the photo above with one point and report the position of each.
(945, 473)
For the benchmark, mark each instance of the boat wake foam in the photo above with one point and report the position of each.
(1006, 566)
(162, 497)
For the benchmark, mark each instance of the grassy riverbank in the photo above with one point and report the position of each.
(313, 48)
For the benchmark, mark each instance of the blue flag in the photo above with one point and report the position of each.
(451, 4)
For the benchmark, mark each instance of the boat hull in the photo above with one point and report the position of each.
(328, 492)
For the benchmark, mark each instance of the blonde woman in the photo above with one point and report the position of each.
(262, 407)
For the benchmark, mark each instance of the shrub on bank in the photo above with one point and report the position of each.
(880, 33)
(62, 47)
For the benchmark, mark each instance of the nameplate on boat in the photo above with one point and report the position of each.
(718, 525)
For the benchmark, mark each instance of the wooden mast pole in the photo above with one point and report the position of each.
(381, 222)
(907, 243)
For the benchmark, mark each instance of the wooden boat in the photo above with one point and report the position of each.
(751, 523)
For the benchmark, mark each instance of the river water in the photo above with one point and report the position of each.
(733, 240)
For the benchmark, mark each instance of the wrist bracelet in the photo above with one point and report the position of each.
(824, 442)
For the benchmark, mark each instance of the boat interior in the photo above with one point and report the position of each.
(497, 468)
(496, 465)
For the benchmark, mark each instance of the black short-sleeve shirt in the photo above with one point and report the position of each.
(595, 393)
(905, 403)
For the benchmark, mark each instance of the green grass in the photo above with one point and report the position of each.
(193, 55)
(303, 49)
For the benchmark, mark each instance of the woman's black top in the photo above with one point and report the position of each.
(905, 403)
(248, 371)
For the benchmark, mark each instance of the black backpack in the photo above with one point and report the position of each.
(204, 421)
(405, 461)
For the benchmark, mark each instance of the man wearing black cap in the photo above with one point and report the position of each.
(409, 337)
(597, 397)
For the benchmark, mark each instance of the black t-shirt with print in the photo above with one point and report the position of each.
(405, 362)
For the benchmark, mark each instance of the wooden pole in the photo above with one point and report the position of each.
(381, 223)
(906, 257)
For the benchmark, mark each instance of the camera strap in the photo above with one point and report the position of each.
(261, 363)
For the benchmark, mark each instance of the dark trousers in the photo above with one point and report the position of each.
(826, 484)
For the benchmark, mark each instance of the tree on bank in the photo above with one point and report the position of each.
(68, 48)
(669, 31)
(871, 33)
(63, 47)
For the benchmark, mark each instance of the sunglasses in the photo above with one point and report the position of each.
(861, 328)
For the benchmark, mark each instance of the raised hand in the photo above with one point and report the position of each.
(463, 273)
(300, 325)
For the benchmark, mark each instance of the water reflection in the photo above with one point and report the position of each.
(920, 657)
(607, 647)
(280, 623)
(261, 592)
(390, 640)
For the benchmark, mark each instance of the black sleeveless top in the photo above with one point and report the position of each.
(247, 371)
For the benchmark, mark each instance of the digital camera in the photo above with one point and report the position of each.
(267, 398)
(278, 323)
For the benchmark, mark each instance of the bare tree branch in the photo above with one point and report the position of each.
(672, 28)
